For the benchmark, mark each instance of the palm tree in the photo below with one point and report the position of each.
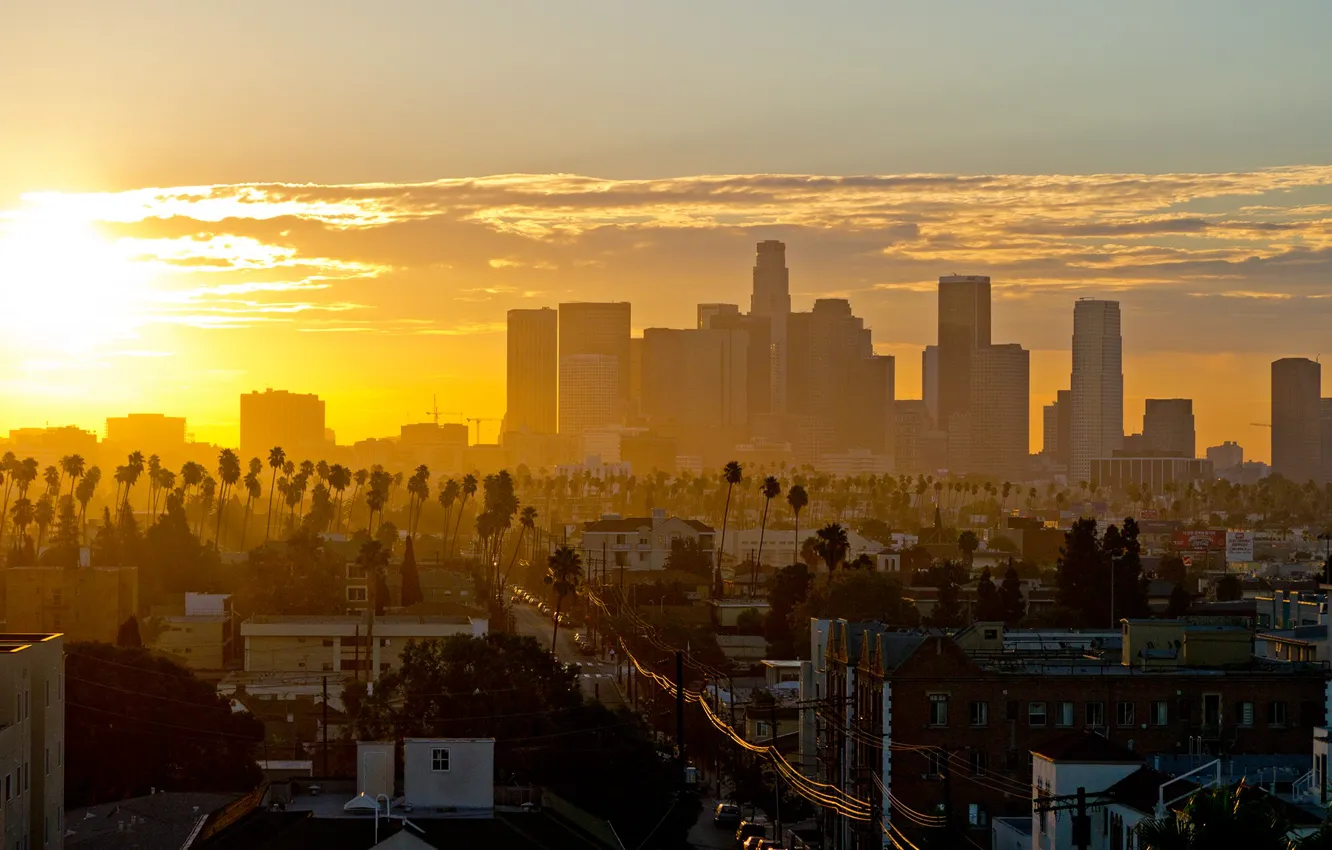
(562, 574)
(731, 474)
(22, 514)
(772, 488)
(276, 458)
(526, 523)
(207, 490)
(375, 499)
(72, 465)
(323, 470)
(797, 498)
(448, 494)
(133, 469)
(468, 491)
(1240, 816)
(831, 546)
(84, 493)
(51, 477)
(359, 478)
(43, 514)
(373, 559)
(154, 486)
(339, 478)
(9, 467)
(228, 472)
(253, 490)
(418, 489)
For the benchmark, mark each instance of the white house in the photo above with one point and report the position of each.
(780, 546)
(639, 543)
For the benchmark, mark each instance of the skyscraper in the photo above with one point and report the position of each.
(533, 371)
(929, 380)
(272, 418)
(1297, 451)
(758, 360)
(602, 329)
(706, 313)
(771, 297)
(1097, 385)
(1167, 427)
(964, 326)
(1000, 412)
(696, 377)
(589, 393)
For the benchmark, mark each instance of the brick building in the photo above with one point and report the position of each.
(936, 725)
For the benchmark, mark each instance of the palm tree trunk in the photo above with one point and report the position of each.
(268, 517)
(245, 522)
(221, 511)
(444, 534)
(721, 546)
(795, 558)
(758, 559)
(555, 632)
(522, 530)
(454, 545)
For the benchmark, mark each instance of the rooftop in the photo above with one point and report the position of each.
(350, 619)
(1086, 747)
(18, 641)
(160, 820)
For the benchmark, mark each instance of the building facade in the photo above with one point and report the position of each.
(294, 421)
(1167, 427)
(83, 603)
(696, 377)
(589, 393)
(1000, 411)
(1097, 385)
(770, 298)
(344, 644)
(532, 371)
(964, 326)
(32, 740)
(599, 329)
(1119, 474)
(639, 543)
(1297, 451)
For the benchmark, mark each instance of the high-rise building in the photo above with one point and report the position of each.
(1050, 430)
(771, 298)
(32, 739)
(533, 371)
(929, 380)
(1167, 427)
(1097, 385)
(597, 328)
(964, 326)
(1325, 431)
(696, 377)
(1297, 440)
(147, 431)
(707, 312)
(758, 360)
(1064, 428)
(1228, 455)
(294, 421)
(1000, 410)
(589, 393)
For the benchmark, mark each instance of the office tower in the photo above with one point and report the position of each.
(1097, 385)
(872, 423)
(598, 329)
(1325, 431)
(1064, 426)
(1228, 455)
(696, 377)
(1167, 427)
(148, 431)
(964, 326)
(707, 312)
(635, 378)
(758, 360)
(1000, 410)
(533, 371)
(589, 393)
(272, 418)
(32, 740)
(771, 298)
(1297, 451)
(1050, 430)
(929, 380)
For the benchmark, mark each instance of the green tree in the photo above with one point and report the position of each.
(43, 514)
(790, 588)
(731, 474)
(688, 555)
(563, 572)
(411, 578)
(947, 613)
(860, 595)
(72, 466)
(448, 494)
(968, 543)
(831, 546)
(989, 607)
(128, 633)
(84, 493)
(1229, 588)
(64, 549)
(296, 576)
(797, 499)
(1010, 597)
(1171, 568)
(1240, 816)
(467, 491)
(373, 559)
(228, 472)
(772, 488)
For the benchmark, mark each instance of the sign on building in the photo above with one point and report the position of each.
(1239, 546)
(1199, 541)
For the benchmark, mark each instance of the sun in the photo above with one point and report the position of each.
(64, 287)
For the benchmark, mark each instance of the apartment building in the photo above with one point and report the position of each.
(32, 740)
(347, 644)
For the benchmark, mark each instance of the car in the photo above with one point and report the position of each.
(750, 829)
(726, 814)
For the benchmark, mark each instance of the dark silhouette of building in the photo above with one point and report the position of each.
(294, 421)
(1297, 451)
(771, 298)
(1097, 385)
(1167, 427)
(1000, 412)
(592, 329)
(533, 371)
(964, 326)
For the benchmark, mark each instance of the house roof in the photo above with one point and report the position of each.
(1140, 790)
(1086, 747)
(626, 525)
(158, 820)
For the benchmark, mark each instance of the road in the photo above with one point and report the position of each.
(598, 675)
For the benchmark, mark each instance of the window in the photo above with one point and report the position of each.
(938, 709)
(1160, 713)
(1064, 715)
(439, 759)
(1124, 714)
(762, 729)
(991, 634)
(977, 816)
(979, 761)
(1212, 710)
(934, 761)
(1244, 713)
(1095, 712)
(356, 594)
(1035, 714)
(980, 714)
(1276, 713)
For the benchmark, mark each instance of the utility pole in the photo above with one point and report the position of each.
(1082, 823)
(947, 792)
(776, 775)
(679, 714)
(326, 773)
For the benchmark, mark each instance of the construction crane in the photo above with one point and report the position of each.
(478, 420)
(1261, 424)
(434, 412)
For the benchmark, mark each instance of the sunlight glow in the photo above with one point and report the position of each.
(64, 287)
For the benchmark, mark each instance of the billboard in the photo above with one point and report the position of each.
(1239, 546)
(1199, 541)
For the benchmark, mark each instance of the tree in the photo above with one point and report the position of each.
(989, 607)
(467, 491)
(448, 494)
(276, 459)
(526, 525)
(1225, 816)
(947, 613)
(563, 572)
(1229, 588)
(1010, 597)
(43, 514)
(411, 579)
(688, 555)
(859, 595)
(128, 633)
(84, 493)
(790, 588)
(253, 490)
(731, 474)
(797, 498)
(135, 721)
(1179, 601)
(296, 576)
(968, 543)
(1171, 568)
(373, 560)
(1100, 578)
(831, 547)
(73, 466)
(772, 488)
(1001, 543)
(228, 472)
(64, 549)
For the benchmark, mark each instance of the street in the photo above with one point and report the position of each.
(598, 676)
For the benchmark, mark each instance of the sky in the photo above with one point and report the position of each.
(199, 200)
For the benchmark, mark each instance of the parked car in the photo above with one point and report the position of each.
(727, 814)
(750, 829)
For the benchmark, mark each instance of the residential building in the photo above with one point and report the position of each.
(1097, 424)
(1228, 455)
(964, 326)
(1121, 473)
(1325, 441)
(32, 739)
(272, 418)
(1000, 411)
(48, 445)
(201, 633)
(532, 371)
(1297, 444)
(780, 545)
(639, 543)
(770, 298)
(347, 644)
(589, 393)
(83, 603)
(1167, 427)
(598, 330)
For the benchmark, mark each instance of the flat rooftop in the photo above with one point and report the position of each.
(18, 641)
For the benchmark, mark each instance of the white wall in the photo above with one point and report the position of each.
(469, 783)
